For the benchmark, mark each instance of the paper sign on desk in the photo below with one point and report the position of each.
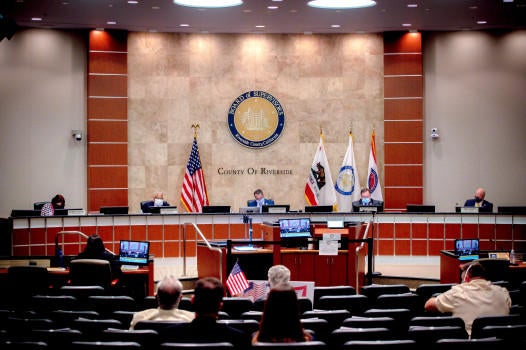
(328, 247)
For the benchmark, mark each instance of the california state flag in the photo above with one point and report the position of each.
(319, 189)
(348, 184)
(373, 179)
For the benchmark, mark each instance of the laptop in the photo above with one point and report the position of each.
(133, 254)
(467, 249)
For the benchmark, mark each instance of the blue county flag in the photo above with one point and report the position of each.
(194, 194)
(347, 184)
(236, 281)
(319, 189)
(373, 178)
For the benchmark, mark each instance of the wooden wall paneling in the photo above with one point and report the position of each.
(404, 175)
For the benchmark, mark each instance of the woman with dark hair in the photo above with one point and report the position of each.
(280, 321)
(95, 249)
(57, 202)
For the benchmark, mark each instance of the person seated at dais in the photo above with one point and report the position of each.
(57, 202)
(259, 199)
(366, 199)
(157, 201)
(479, 202)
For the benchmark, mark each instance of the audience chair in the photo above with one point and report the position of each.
(320, 291)
(482, 321)
(469, 344)
(105, 345)
(106, 304)
(157, 326)
(400, 301)
(319, 326)
(427, 335)
(370, 322)
(57, 338)
(147, 338)
(340, 336)
(247, 326)
(24, 282)
(123, 316)
(64, 318)
(315, 344)
(522, 288)
(235, 306)
(496, 269)
(436, 321)
(401, 317)
(46, 304)
(399, 344)
(252, 315)
(372, 291)
(355, 304)
(258, 305)
(89, 272)
(185, 304)
(92, 329)
(23, 345)
(196, 346)
(333, 317)
(17, 326)
(508, 333)
(305, 304)
(82, 292)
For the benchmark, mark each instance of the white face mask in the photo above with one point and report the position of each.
(158, 202)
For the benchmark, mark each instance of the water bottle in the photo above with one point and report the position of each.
(512, 257)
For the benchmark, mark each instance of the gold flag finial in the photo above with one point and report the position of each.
(321, 130)
(195, 126)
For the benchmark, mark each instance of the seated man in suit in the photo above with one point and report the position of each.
(479, 201)
(366, 199)
(157, 201)
(259, 200)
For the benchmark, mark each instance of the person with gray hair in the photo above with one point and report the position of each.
(278, 274)
(169, 294)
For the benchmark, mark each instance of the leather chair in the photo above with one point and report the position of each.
(24, 282)
(372, 291)
(99, 345)
(469, 344)
(426, 336)
(319, 326)
(398, 301)
(401, 317)
(57, 338)
(235, 306)
(436, 321)
(333, 317)
(89, 272)
(355, 304)
(482, 321)
(340, 336)
(402, 344)
(147, 338)
(316, 344)
(105, 305)
(370, 322)
(196, 346)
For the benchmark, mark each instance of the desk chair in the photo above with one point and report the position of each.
(196, 346)
(483, 321)
(109, 345)
(24, 282)
(340, 336)
(400, 344)
(148, 338)
(315, 344)
(89, 272)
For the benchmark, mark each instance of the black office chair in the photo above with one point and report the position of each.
(482, 321)
(92, 329)
(340, 336)
(401, 317)
(57, 337)
(89, 272)
(437, 321)
(39, 205)
(399, 344)
(320, 291)
(370, 322)
(105, 305)
(46, 304)
(400, 301)
(148, 338)
(333, 317)
(315, 344)
(24, 345)
(157, 326)
(469, 344)
(319, 326)
(426, 336)
(355, 304)
(64, 318)
(106, 345)
(245, 325)
(24, 282)
(372, 291)
(235, 306)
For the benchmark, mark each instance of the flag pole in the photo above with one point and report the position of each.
(195, 126)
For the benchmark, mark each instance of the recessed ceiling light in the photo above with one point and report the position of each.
(412, 5)
(335, 26)
(36, 19)
(156, 8)
(133, 2)
(482, 22)
(341, 4)
(111, 22)
(184, 25)
(208, 3)
(406, 24)
(272, 7)
(260, 26)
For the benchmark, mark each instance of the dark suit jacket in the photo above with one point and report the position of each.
(147, 204)
(254, 203)
(373, 202)
(205, 330)
(485, 207)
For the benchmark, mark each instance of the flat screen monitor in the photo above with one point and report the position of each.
(16, 213)
(212, 209)
(512, 210)
(467, 249)
(420, 208)
(134, 252)
(275, 208)
(114, 210)
(368, 208)
(318, 209)
(157, 210)
(294, 232)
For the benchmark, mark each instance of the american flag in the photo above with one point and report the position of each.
(194, 194)
(236, 281)
(256, 290)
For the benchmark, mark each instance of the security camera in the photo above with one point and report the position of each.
(77, 135)
(434, 133)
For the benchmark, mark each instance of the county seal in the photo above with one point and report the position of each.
(256, 119)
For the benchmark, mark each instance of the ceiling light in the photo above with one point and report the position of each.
(111, 22)
(335, 26)
(341, 4)
(272, 7)
(36, 18)
(406, 24)
(412, 5)
(260, 26)
(482, 22)
(208, 3)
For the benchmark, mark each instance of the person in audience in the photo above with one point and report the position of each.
(260, 199)
(57, 202)
(169, 294)
(472, 298)
(204, 328)
(366, 199)
(278, 274)
(157, 201)
(280, 321)
(479, 201)
(95, 249)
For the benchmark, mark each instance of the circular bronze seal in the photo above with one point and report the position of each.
(256, 119)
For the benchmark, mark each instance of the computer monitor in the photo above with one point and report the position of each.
(294, 232)
(420, 208)
(276, 208)
(17, 213)
(318, 209)
(114, 210)
(134, 252)
(512, 210)
(157, 210)
(467, 248)
(213, 209)
(368, 208)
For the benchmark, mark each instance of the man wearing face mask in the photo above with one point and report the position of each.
(157, 201)
(479, 201)
(366, 199)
